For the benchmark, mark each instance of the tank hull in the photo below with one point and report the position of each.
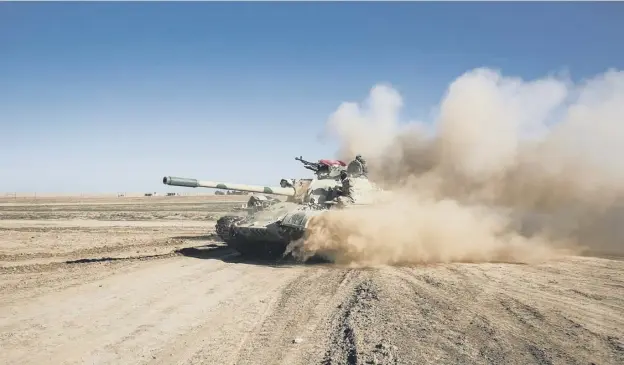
(266, 241)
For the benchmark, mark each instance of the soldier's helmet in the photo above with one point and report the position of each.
(360, 158)
(343, 175)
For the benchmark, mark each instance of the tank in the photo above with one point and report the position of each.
(277, 215)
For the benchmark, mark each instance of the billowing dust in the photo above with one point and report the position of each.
(510, 170)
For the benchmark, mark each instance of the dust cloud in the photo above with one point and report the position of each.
(509, 170)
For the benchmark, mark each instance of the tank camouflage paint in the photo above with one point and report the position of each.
(270, 223)
(194, 183)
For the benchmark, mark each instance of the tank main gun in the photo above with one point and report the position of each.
(194, 183)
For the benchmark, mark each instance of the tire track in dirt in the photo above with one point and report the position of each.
(349, 340)
(456, 314)
(132, 317)
(442, 316)
(237, 321)
(296, 330)
(520, 320)
(572, 291)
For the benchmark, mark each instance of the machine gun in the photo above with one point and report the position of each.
(324, 169)
(314, 166)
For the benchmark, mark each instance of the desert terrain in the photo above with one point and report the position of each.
(144, 280)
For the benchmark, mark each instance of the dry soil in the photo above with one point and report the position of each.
(144, 280)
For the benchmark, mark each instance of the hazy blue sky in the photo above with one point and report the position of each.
(113, 96)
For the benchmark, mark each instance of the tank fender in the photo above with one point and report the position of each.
(299, 219)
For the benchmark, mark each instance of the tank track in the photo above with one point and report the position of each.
(254, 248)
(223, 226)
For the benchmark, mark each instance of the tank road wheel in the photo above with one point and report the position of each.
(223, 226)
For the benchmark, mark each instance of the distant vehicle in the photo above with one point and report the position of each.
(233, 192)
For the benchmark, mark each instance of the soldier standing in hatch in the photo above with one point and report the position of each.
(357, 167)
(362, 162)
(347, 190)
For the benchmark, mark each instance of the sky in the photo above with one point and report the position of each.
(111, 97)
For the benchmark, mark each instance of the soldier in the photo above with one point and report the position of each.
(347, 190)
(362, 162)
(357, 167)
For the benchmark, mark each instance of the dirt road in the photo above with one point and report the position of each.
(133, 281)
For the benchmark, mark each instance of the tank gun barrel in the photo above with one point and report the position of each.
(194, 183)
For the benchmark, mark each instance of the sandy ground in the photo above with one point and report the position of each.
(144, 280)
